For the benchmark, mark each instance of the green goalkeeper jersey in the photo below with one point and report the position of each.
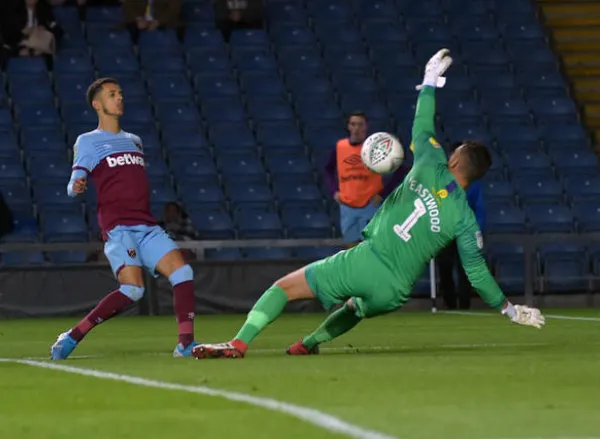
(426, 213)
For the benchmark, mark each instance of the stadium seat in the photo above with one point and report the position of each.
(259, 225)
(269, 253)
(505, 219)
(550, 218)
(301, 223)
(587, 215)
(223, 254)
(510, 276)
(565, 274)
(212, 224)
(540, 191)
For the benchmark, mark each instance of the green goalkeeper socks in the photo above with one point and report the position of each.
(338, 323)
(267, 309)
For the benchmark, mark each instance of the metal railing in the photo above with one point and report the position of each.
(529, 242)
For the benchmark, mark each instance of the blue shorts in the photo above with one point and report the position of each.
(353, 220)
(140, 246)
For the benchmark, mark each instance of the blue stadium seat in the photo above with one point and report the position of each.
(216, 86)
(259, 225)
(582, 188)
(233, 137)
(11, 170)
(262, 110)
(212, 224)
(105, 37)
(292, 35)
(498, 192)
(540, 191)
(503, 218)
(207, 61)
(572, 160)
(301, 223)
(551, 110)
(284, 164)
(38, 116)
(518, 160)
(56, 225)
(177, 112)
(49, 168)
(285, 12)
(203, 38)
(223, 110)
(552, 218)
(159, 40)
(565, 274)
(241, 164)
(301, 194)
(78, 113)
(249, 194)
(26, 66)
(510, 276)
(251, 61)
(13, 259)
(587, 214)
(242, 38)
(206, 195)
(169, 87)
(25, 227)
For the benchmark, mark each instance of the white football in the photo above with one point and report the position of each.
(382, 153)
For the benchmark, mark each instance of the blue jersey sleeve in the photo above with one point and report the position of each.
(85, 160)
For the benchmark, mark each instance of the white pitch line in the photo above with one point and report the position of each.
(306, 414)
(550, 316)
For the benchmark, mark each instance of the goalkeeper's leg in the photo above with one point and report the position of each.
(338, 323)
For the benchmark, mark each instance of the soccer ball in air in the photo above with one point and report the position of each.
(382, 153)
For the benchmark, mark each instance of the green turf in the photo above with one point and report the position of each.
(410, 375)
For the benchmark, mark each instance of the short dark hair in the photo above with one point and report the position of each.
(95, 88)
(475, 160)
(357, 114)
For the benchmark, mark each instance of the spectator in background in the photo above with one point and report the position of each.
(358, 191)
(448, 258)
(28, 28)
(238, 14)
(151, 15)
(178, 225)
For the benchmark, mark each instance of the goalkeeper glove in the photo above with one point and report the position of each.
(435, 68)
(524, 315)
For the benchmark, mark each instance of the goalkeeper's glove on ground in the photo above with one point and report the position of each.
(435, 69)
(524, 315)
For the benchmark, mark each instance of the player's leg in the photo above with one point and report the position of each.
(349, 226)
(465, 289)
(445, 262)
(367, 280)
(337, 323)
(122, 253)
(161, 254)
(270, 305)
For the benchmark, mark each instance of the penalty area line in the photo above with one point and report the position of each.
(309, 415)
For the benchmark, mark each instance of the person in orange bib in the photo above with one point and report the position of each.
(358, 191)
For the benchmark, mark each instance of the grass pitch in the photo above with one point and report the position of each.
(406, 375)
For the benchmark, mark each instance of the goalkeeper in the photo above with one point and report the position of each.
(423, 215)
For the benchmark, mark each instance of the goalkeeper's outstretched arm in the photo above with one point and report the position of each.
(469, 245)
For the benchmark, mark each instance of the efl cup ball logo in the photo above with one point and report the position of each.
(382, 147)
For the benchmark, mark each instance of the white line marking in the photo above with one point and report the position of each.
(550, 316)
(309, 415)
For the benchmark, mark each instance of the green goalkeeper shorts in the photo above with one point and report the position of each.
(356, 273)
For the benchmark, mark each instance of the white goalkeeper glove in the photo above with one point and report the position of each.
(435, 68)
(524, 315)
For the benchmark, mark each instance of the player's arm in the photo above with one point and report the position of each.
(470, 244)
(423, 130)
(84, 162)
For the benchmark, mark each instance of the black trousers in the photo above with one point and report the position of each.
(452, 293)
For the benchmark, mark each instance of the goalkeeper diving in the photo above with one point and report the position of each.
(421, 217)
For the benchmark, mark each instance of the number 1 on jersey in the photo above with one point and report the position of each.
(403, 229)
